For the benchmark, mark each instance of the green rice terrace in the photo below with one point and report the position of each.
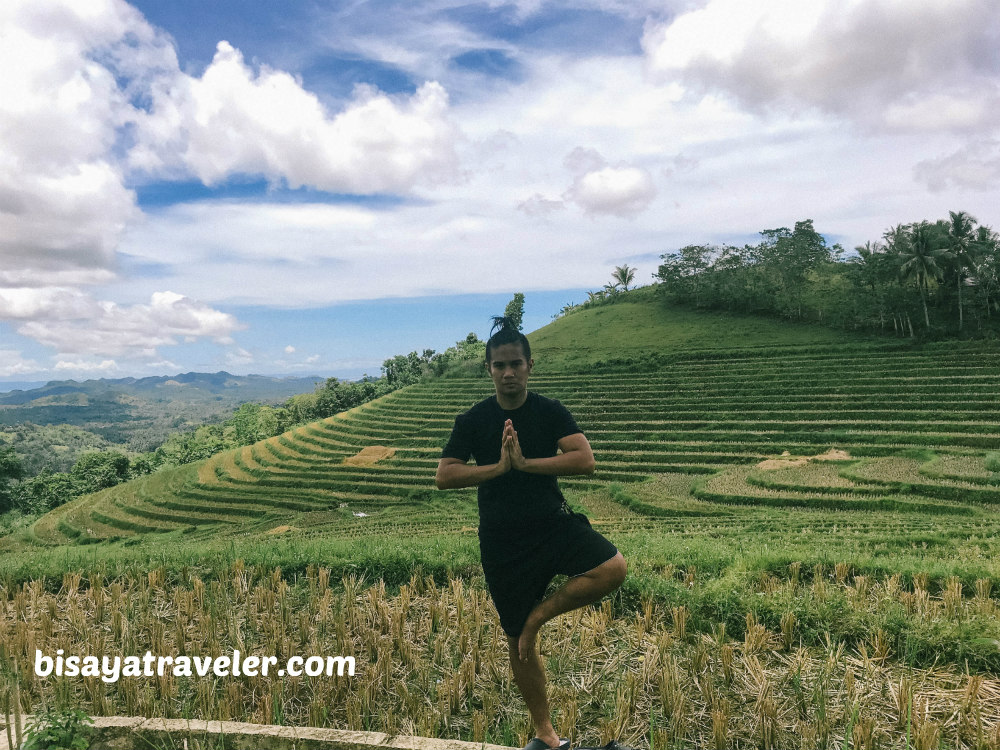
(850, 430)
(811, 527)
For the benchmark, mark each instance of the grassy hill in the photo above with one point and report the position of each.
(639, 326)
(773, 487)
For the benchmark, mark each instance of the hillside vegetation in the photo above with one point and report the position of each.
(639, 326)
(810, 519)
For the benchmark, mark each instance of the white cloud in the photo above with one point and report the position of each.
(107, 365)
(93, 97)
(13, 363)
(289, 349)
(63, 202)
(975, 166)
(540, 206)
(53, 303)
(231, 121)
(238, 357)
(622, 191)
(881, 62)
(110, 329)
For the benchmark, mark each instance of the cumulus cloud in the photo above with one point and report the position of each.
(135, 331)
(621, 190)
(289, 349)
(233, 121)
(93, 99)
(882, 62)
(63, 201)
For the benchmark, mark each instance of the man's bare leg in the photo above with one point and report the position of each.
(576, 592)
(529, 675)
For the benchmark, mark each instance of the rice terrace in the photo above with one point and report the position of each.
(810, 518)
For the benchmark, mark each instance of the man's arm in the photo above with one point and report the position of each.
(454, 473)
(576, 457)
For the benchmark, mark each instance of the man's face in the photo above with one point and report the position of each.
(509, 369)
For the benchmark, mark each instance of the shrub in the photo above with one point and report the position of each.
(58, 729)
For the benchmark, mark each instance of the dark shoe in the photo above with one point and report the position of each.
(538, 744)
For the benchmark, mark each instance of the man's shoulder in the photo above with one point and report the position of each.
(544, 402)
(486, 406)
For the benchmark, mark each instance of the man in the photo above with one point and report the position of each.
(521, 442)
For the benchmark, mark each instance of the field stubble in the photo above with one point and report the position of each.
(432, 661)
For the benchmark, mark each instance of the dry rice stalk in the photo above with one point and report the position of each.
(767, 718)
(983, 588)
(902, 695)
(720, 725)
(880, 645)
(841, 570)
(788, 623)
(860, 592)
(756, 635)
(794, 570)
(863, 733)
(892, 586)
(726, 657)
(680, 617)
(952, 597)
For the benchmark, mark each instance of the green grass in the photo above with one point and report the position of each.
(642, 326)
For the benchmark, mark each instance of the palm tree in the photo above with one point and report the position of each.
(987, 271)
(623, 275)
(868, 261)
(919, 259)
(961, 242)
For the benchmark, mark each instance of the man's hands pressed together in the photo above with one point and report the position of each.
(510, 448)
(575, 457)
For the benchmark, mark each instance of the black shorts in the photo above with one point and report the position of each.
(518, 573)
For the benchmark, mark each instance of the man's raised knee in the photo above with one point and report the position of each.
(611, 573)
(618, 569)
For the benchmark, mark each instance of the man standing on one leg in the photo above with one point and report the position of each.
(521, 442)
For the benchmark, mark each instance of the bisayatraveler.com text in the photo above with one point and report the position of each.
(113, 668)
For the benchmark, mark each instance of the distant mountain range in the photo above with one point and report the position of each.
(139, 413)
(195, 385)
(20, 385)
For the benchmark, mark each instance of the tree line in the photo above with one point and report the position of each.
(923, 279)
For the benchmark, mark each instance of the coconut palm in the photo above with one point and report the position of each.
(961, 242)
(623, 275)
(920, 259)
(986, 275)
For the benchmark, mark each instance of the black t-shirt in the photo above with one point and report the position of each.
(515, 501)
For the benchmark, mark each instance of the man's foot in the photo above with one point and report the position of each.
(540, 744)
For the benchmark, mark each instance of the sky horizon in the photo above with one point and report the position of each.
(314, 187)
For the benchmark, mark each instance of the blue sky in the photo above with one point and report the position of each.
(312, 187)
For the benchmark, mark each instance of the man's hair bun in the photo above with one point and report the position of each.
(505, 331)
